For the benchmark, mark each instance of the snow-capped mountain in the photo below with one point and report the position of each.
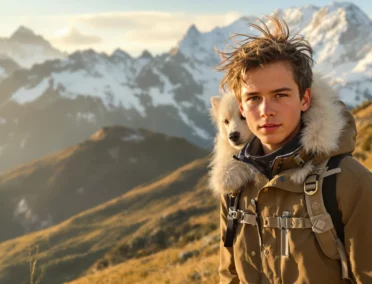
(340, 34)
(60, 102)
(27, 48)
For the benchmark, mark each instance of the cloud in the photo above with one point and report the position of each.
(124, 20)
(152, 28)
(71, 36)
(131, 31)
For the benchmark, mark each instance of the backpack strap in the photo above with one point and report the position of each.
(233, 201)
(234, 216)
(320, 217)
(329, 197)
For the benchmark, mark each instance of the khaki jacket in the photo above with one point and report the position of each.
(329, 130)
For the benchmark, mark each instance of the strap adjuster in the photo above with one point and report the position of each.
(234, 214)
(311, 187)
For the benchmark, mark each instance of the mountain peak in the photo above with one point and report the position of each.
(192, 31)
(145, 54)
(23, 31)
(120, 53)
(26, 35)
(352, 12)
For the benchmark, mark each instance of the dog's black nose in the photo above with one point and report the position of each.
(234, 136)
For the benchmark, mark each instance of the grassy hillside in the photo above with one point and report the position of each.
(168, 213)
(363, 118)
(115, 159)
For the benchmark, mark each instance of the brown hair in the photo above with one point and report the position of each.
(271, 46)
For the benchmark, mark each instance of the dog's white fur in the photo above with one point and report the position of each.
(323, 125)
(228, 174)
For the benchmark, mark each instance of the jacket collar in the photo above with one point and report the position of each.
(270, 164)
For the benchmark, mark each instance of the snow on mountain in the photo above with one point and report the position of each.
(27, 48)
(339, 33)
(168, 93)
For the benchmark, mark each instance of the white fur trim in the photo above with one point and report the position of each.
(323, 120)
(300, 175)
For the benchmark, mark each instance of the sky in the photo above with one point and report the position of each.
(132, 26)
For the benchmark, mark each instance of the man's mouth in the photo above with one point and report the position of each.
(269, 126)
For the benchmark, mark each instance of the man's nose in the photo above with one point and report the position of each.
(266, 108)
(234, 136)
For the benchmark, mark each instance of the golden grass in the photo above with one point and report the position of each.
(164, 267)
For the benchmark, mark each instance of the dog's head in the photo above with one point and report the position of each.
(230, 123)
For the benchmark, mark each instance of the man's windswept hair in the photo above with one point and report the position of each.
(270, 46)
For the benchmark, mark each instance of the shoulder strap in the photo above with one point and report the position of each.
(321, 217)
(329, 196)
(233, 202)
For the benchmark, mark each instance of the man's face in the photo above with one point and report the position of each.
(271, 104)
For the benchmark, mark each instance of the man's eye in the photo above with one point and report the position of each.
(281, 95)
(226, 121)
(253, 98)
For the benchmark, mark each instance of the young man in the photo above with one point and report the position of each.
(297, 127)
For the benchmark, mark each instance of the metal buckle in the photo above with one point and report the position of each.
(234, 214)
(312, 191)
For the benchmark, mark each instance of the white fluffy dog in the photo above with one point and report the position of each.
(226, 173)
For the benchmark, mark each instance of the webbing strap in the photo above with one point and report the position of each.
(286, 223)
(249, 219)
(231, 217)
(343, 257)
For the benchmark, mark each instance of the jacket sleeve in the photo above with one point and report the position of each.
(227, 272)
(354, 190)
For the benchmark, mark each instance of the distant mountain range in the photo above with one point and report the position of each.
(59, 102)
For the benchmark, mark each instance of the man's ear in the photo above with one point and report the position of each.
(215, 102)
(306, 100)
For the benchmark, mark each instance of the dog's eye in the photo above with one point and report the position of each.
(226, 121)
(242, 117)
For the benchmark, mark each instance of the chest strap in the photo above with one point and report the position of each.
(244, 217)
(286, 223)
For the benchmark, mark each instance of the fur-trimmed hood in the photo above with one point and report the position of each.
(328, 130)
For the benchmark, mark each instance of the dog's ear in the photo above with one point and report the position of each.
(215, 102)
